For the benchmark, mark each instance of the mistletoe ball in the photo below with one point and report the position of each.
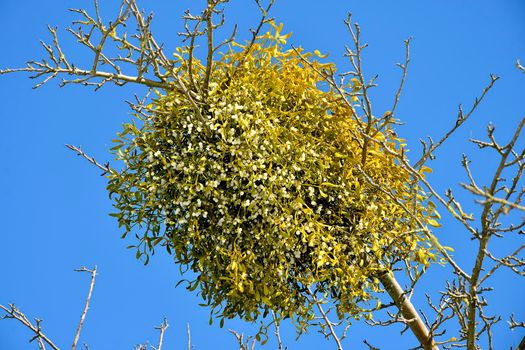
(265, 185)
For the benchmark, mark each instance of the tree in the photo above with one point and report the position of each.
(348, 209)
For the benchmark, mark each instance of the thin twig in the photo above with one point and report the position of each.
(162, 329)
(277, 331)
(104, 167)
(188, 335)
(461, 119)
(521, 68)
(13, 313)
(327, 321)
(404, 68)
(93, 273)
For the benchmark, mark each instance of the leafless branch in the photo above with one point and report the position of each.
(404, 69)
(461, 119)
(370, 347)
(104, 167)
(248, 344)
(407, 310)
(93, 273)
(188, 335)
(12, 312)
(519, 66)
(325, 318)
(515, 324)
(255, 32)
(277, 332)
(162, 329)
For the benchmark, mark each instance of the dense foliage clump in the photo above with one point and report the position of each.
(267, 187)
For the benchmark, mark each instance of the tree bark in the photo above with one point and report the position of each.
(408, 311)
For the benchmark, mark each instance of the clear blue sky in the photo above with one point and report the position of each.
(54, 207)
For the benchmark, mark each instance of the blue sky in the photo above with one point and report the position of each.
(55, 208)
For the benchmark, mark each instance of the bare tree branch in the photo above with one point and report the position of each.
(327, 321)
(12, 312)
(277, 332)
(104, 167)
(243, 344)
(93, 273)
(162, 329)
(408, 311)
(188, 335)
(404, 69)
(519, 66)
